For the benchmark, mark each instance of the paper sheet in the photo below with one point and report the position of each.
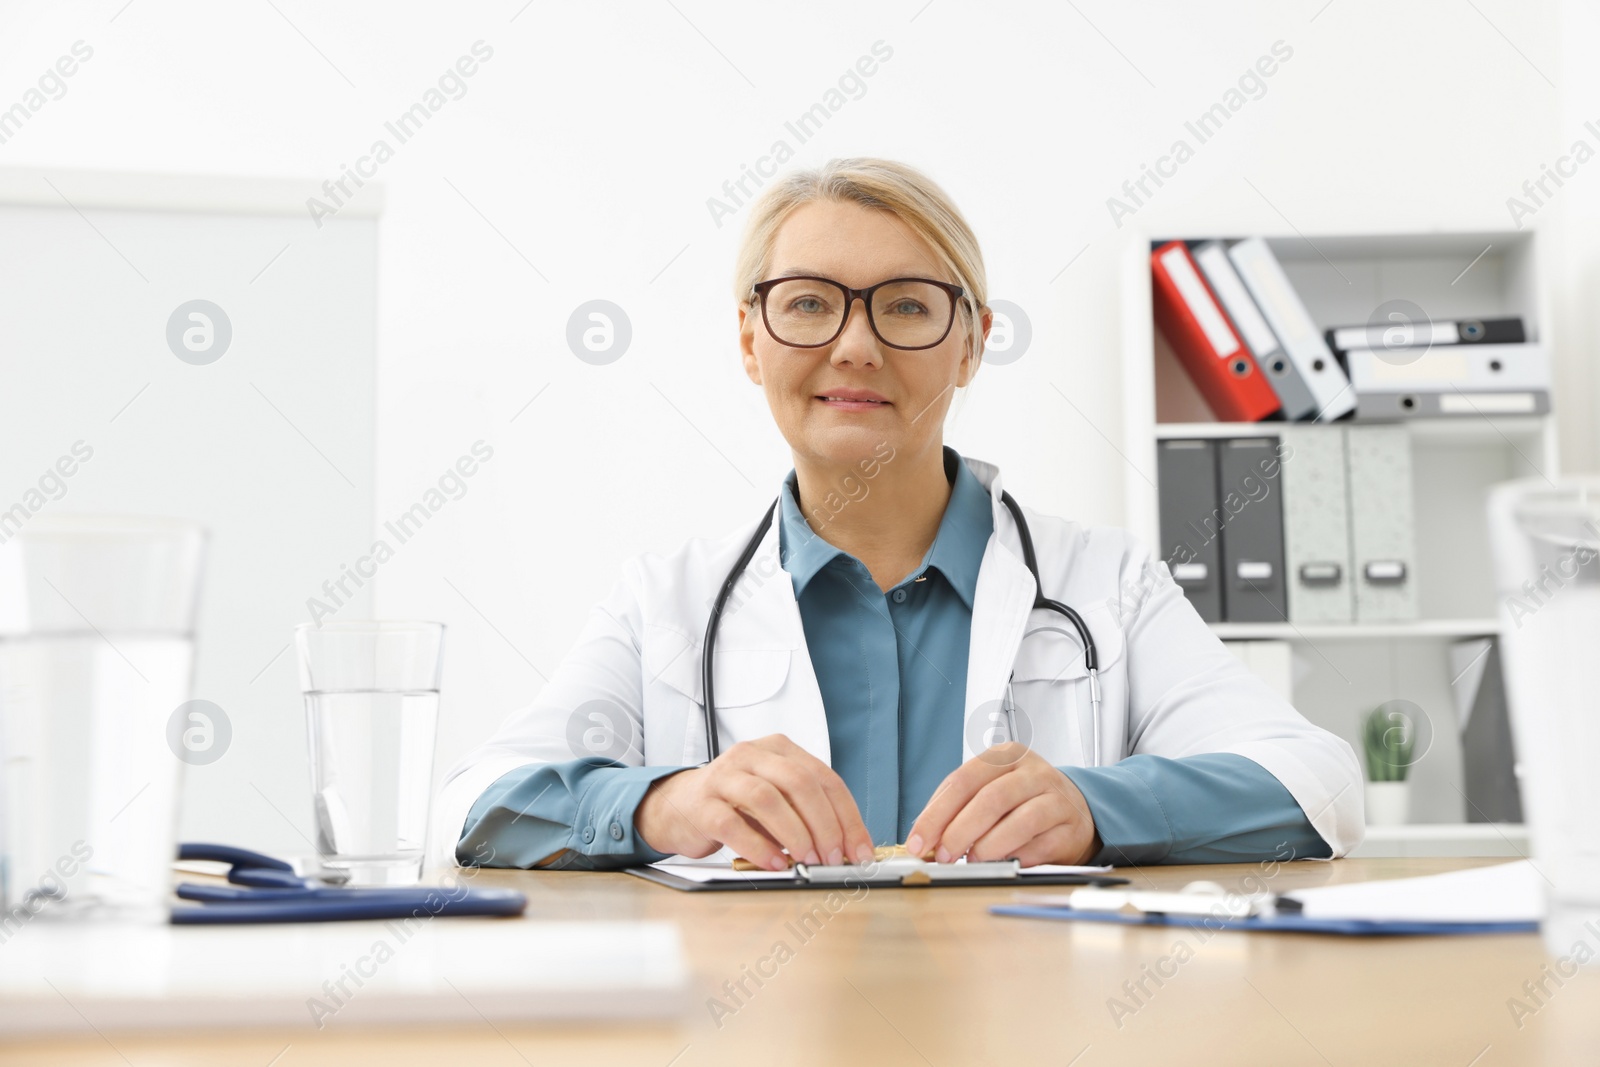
(1066, 868)
(708, 872)
(1505, 892)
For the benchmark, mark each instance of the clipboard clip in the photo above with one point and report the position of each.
(1196, 898)
(906, 871)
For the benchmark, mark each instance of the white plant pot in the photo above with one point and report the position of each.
(1388, 803)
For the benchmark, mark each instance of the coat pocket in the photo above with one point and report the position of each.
(744, 678)
(1050, 689)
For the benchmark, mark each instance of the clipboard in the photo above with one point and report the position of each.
(1283, 921)
(898, 873)
(1492, 900)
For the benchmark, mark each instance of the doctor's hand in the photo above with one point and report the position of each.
(1005, 802)
(758, 798)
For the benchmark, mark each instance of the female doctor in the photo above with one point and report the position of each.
(885, 666)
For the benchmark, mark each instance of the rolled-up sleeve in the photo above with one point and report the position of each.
(1213, 808)
(1189, 696)
(576, 815)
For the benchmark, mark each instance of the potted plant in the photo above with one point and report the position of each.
(1388, 738)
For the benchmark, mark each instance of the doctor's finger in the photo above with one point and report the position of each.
(857, 839)
(1033, 817)
(984, 811)
(857, 843)
(729, 826)
(836, 810)
(765, 803)
(1062, 843)
(953, 795)
(803, 786)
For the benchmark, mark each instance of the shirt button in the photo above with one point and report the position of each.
(899, 596)
(588, 834)
(616, 831)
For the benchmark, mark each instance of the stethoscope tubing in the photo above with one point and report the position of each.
(1091, 658)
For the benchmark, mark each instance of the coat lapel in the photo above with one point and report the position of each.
(763, 613)
(1000, 609)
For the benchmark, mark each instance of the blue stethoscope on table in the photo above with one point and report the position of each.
(267, 890)
(1091, 657)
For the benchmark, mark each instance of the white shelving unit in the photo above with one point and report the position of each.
(1356, 631)
(1341, 671)
(1446, 839)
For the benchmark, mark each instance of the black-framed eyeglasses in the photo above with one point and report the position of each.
(904, 313)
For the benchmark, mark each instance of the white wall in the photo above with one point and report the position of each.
(578, 166)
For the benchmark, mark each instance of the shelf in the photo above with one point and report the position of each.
(1359, 245)
(1460, 831)
(1441, 431)
(1509, 840)
(1354, 631)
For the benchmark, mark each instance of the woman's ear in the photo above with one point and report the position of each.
(747, 343)
(969, 364)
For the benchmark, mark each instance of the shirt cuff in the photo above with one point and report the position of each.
(1127, 814)
(555, 816)
(604, 824)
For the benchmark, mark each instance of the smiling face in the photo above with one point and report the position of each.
(857, 247)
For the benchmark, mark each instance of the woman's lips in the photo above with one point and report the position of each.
(852, 405)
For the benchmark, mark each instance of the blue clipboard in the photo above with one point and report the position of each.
(1283, 921)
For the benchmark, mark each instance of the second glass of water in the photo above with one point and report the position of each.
(372, 709)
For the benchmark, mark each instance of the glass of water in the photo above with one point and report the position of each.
(372, 708)
(1546, 541)
(97, 617)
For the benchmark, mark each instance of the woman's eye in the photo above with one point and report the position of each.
(806, 305)
(908, 307)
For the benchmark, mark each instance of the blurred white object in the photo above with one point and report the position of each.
(1546, 541)
(60, 978)
(96, 655)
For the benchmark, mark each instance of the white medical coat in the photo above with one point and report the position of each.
(1168, 686)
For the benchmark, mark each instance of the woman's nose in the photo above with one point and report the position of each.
(857, 343)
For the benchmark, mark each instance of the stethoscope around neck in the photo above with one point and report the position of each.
(1091, 658)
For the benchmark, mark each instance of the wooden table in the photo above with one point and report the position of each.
(902, 976)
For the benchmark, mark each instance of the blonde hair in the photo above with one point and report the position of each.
(885, 185)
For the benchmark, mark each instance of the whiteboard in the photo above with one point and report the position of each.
(270, 444)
